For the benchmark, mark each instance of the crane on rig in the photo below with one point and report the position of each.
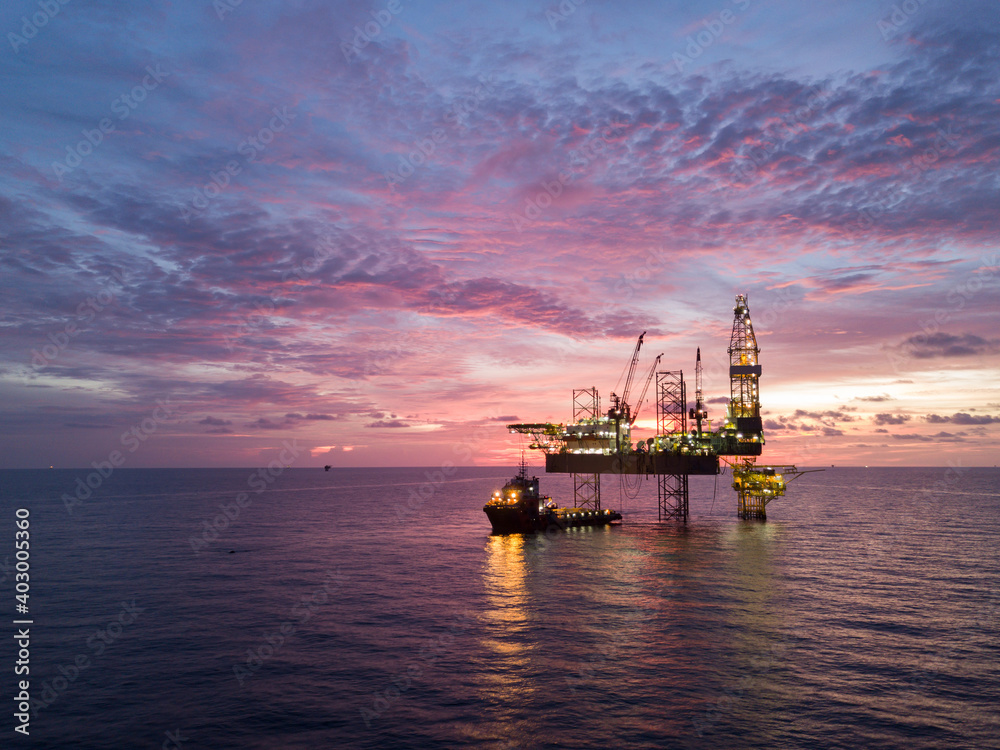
(645, 388)
(620, 405)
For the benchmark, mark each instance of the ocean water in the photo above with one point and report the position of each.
(371, 608)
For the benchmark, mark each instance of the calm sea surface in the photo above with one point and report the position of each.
(372, 609)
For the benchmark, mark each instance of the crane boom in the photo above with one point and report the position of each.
(631, 371)
(645, 388)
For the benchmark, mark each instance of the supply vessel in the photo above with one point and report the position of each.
(519, 508)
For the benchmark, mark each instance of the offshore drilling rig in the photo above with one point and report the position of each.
(597, 442)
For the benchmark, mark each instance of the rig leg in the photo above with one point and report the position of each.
(587, 491)
(672, 490)
(751, 506)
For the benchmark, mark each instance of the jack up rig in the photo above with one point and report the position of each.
(596, 443)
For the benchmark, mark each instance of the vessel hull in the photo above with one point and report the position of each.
(517, 520)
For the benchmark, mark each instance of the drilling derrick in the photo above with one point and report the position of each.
(755, 486)
(744, 374)
(744, 412)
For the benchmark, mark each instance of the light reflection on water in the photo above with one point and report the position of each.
(864, 617)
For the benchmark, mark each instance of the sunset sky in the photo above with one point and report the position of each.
(385, 229)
